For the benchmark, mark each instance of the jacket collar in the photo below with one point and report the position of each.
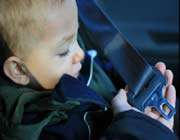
(70, 87)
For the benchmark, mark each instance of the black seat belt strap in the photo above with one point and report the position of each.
(144, 82)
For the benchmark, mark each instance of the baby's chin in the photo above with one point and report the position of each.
(76, 75)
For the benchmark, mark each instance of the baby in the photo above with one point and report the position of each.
(41, 39)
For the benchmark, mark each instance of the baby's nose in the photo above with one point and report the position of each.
(78, 56)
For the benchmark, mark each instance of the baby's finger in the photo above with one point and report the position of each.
(169, 76)
(153, 110)
(161, 67)
(152, 113)
(164, 90)
(126, 88)
(120, 103)
(171, 95)
(148, 112)
(168, 123)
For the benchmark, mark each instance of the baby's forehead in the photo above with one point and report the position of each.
(35, 23)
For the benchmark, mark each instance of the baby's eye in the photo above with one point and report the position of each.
(63, 54)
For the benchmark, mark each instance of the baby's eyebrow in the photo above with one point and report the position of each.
(67, 38)
(64, 40)
(61, 44)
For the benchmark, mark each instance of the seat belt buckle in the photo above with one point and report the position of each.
(151, 94)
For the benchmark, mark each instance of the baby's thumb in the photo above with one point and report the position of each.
(120, 103)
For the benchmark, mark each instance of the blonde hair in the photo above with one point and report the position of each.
(21, 22)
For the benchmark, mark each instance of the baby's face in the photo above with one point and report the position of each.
(57, 52)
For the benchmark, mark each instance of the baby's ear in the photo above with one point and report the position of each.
(14, 70)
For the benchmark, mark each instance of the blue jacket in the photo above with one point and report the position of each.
(93, 121)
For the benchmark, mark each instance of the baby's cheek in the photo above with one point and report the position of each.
(57, 71)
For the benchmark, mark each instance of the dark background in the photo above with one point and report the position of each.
(153, 28)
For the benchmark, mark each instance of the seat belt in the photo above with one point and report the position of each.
(145, 82)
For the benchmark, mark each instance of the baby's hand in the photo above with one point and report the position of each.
(120, 104)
